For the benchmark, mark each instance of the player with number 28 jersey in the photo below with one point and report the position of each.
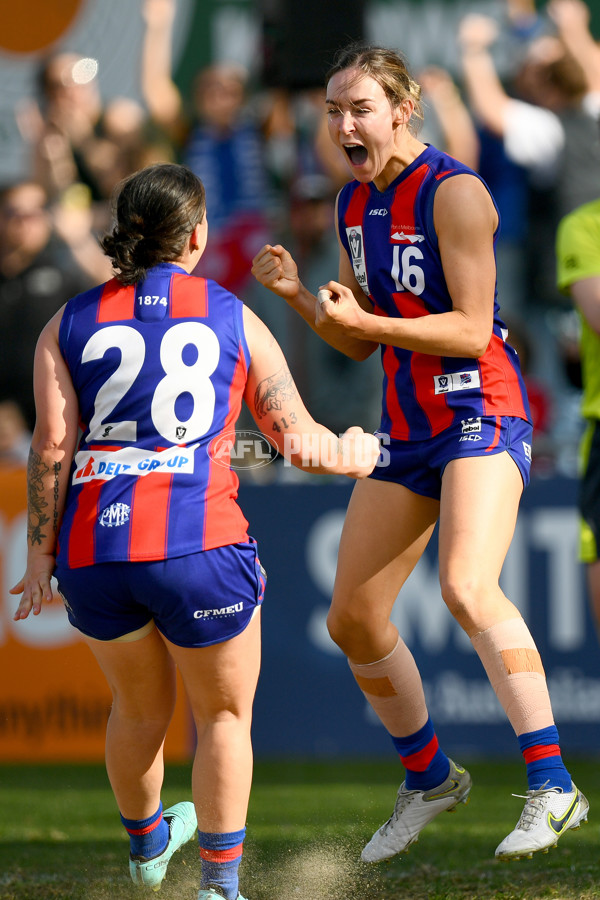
(145, 486)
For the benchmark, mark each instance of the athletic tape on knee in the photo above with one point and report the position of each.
(514, 667)
(393, 688)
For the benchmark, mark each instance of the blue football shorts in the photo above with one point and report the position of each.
(196, 600)
(419, 465)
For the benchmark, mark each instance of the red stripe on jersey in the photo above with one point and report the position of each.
(189, 297)
(443, 174)
(391, 364)
(222, 482)
(116, 302)
(81, 537)
(104, 447)
(404, 200)
(424, 367)
(221, 856)
(542, 751)
(500, 385)
(149, 528)
(494, 443)
(356, 207)
(419, 761)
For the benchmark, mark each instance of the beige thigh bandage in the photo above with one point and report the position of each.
(515, 671)
(132, 636)
(393, 687)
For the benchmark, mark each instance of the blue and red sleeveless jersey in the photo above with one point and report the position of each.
(391, 241)
(159, 369)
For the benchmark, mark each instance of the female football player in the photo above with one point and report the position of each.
(417, 281)
(137, 514)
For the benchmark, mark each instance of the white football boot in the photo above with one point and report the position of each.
(413, 811)
(548, 813)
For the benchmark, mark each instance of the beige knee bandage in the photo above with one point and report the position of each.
(393, 687)
(515, 671)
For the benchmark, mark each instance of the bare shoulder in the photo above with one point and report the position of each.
(464, 201)
(49, 333)
(258, 335)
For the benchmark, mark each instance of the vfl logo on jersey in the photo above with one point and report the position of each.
(456, 381)
(471, 425)
(356, 244)
(114, 515)
(108, 464)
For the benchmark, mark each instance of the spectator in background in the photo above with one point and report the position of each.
(297, 139)
(458, 135)
(221, 143)
(549, 127)
(38, 270)
(578, 265)
(546, 117)
(78, 145)
(15, 436)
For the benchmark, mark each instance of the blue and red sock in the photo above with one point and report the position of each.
(541, 752)
(147, 837)
(426, 765)
(220, 855)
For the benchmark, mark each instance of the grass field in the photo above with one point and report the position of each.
(61, 839)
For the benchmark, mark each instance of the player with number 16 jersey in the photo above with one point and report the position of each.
(148, 487)
(391, 240)
(417, 281)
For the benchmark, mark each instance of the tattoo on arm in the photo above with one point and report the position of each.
(273, 391)
(55, 492)
(37, 505)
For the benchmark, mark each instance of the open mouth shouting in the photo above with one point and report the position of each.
(356, 153)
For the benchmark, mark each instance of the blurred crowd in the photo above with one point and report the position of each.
(522, 109)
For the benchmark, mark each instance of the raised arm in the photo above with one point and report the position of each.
(487, 98)
(572, 19)
(278, 410)
(160, 92)
(458, 129)
(52, 447)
